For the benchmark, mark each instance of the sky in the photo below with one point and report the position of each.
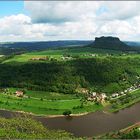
(69, 20)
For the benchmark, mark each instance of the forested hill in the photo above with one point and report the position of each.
(65, 77)
(44, 44)
(112, 43)
(10, 48)
(109, 43)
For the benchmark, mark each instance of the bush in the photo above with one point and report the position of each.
(67, 112)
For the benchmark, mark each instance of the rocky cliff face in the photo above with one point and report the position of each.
(109, 43)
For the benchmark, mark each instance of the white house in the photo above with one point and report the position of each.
(94, 93)
(103, 96)
(115, 95)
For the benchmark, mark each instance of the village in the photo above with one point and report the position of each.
(84, 96)
(89, 95)
(93, 55)
(40, 58)
(64, 57)
(103, 97)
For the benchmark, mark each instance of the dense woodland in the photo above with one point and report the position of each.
(108, 75)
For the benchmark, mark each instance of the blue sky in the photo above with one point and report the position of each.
(11, 7)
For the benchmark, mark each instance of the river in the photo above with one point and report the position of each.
(91, 124)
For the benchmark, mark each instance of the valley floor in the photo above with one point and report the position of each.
(55, 104)
(51, 104)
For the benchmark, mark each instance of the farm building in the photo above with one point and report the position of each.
(40, 58)
(19, 93)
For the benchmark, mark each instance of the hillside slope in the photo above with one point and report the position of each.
(112, 43)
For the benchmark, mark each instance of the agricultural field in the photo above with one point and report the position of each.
(41, 103)
(57, 54)
(45, 95)
(73, 53)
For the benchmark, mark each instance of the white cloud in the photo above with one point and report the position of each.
(52, 20)
(20, 28)
(120, 10)
(122, 29)
(58, 12)
(14, 24)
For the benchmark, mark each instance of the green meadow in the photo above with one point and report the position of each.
(41, 103)
(58, 53)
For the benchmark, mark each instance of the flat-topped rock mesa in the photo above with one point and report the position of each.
(112, 43)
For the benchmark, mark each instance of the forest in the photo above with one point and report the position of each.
(106, 75)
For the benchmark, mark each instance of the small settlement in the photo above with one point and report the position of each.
(101, 97)
(40, 58)
(66, 57)
(93, 96)
(19, 93)
(128, 90)
(93, 55)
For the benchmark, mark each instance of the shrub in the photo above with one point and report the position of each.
(67, 112)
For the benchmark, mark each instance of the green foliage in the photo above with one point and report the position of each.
(67, 112)
(105, 75)
(23, 127)
(132, 134)
(125, 101)
(112, 87)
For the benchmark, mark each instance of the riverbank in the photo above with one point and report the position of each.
(71, 115)
(94, 124)
(48, 106)
(14, 128)
(56, 108)
(129, 128)
(106, 109)
(45, 116)
(91, 124)
(125, 101)
(125, 133)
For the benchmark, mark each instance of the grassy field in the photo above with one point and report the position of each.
(45, 103)
(58, 53)
(46, 95)
(81, 52)
(42, 103)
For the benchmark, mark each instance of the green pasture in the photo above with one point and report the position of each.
(42, 103)
(46, 95)
(58, 53)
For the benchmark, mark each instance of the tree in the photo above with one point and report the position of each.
(67, 112)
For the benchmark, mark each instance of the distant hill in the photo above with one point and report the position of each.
(132, 43)
(112, 43)
(20, 47)
(44, 44)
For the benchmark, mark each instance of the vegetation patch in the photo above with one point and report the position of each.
(23, 127)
